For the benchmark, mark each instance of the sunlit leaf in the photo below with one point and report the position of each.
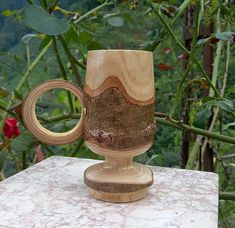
(228, 36)
(202, 82)
(8, 13)
(202, 41)
(115, 21)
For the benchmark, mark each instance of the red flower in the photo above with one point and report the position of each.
(164, 67)
(11, 128)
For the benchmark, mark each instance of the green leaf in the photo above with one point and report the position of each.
(31, 2)
(71, 36)
(225, 104)
(115, 21)
(58, 127)
(202, 118)
(62, 96)
(18, 95)
(55, 112)
(94, 45)
(227, 126)
(25, 140)
(228, 36)
(38, 19)
(202, 41)
(207, 99)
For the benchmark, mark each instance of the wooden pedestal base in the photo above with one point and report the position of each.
(118, 197)
(118, 180)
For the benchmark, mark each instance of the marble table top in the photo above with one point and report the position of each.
(52, 194)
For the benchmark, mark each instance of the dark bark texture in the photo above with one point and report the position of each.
(113, 122)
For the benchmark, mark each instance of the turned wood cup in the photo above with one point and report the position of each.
(117, 121)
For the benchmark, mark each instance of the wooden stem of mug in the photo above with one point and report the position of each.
(118, 179)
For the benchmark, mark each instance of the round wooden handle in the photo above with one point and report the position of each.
(32, 123)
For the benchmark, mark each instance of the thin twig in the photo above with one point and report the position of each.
(189, 63)
(160, 36)
(61, 117)
(106, 3)
(184, 127)
(71, 60)
(61, 66)
(186, 50)
(76, 149)
(215, 70)
(228, 156)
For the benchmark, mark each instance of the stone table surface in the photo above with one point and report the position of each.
(52, 194)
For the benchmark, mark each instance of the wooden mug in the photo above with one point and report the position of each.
(117, 121)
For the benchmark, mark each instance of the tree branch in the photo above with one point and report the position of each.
(71, 60)
(184, 127)
(59, 61)
(106, 3)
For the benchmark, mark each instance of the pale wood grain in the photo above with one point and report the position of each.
(125, 182)
(118, 197)
(118, 179)
(134, 69)
(32, 123)
(131, 152)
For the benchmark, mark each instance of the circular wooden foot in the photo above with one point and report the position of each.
(118, 197)
(125, 183)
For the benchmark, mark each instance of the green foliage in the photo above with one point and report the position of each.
(115, 21)
(202, 118)
(43, 22)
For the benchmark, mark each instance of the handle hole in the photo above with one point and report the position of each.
(55, 111)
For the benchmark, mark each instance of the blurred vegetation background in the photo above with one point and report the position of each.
(122, 25)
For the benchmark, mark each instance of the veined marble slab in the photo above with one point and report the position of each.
(52, 194)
